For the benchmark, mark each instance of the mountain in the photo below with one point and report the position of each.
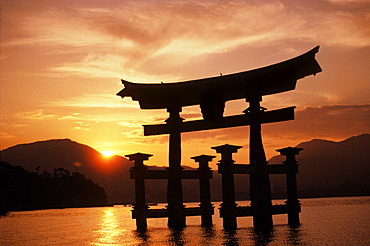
(325, 162)
(328, 165)
(111, 173)
(339, 168)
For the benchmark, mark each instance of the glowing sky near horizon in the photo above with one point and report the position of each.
(62, 61)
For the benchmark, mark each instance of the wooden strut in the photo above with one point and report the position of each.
(228, 205)
(260, 188)
(278, 115)
(229, 210)
(141, 211)
(175, 207)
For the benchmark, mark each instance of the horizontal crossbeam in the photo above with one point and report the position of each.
(194, 174)
(249, 211)
(163, 174)
(163, 212)
(229, 121)
(244, 211)
(248, 169)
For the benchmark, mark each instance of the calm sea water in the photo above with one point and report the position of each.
(325, 221)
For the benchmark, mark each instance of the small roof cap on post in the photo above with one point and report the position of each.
(201, 158)
(227, 148)
(289, 151)
(138, 156)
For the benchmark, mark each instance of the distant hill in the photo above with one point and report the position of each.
(111, 173)
(322, 165)
(325, 163)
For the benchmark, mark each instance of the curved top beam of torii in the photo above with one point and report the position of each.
(255, 83)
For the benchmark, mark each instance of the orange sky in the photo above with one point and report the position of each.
(62, 61)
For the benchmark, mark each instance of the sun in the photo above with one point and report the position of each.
(107, 153)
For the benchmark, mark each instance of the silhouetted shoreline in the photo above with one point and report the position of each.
(6, 213)
(24, 190)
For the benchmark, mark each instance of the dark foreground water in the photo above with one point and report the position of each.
(325, 221)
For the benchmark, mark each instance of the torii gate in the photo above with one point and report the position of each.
(211, 94)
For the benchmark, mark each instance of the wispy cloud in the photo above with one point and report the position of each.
(4, 135)
(73, 116)
(96, 101)
(346, 2)
(112, 42)
(331, 122)
(94, 66)
(82, 126)
(38, 114)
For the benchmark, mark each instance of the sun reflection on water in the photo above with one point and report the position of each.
(110, 231)
(324, 222)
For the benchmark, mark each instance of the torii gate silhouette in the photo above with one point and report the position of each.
(211, 94)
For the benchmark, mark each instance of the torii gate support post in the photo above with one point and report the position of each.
(138, 172)
(260, 189)
(176, 211)
(205, 174)
(225, 167)
(293, 204)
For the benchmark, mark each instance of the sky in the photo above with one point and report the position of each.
(62, 63)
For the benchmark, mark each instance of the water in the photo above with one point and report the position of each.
(325, 221)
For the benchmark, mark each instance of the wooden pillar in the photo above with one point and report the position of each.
(293, 204)
(260, 189)
(176, 210)
(205, 174)
(138, 173)
(226, 168)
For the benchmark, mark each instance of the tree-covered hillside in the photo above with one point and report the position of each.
(24, 190)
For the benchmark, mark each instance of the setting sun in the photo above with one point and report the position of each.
(107, 153)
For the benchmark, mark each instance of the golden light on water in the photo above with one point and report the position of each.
(110, 228)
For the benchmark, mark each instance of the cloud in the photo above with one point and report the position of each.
(81, 126)
(73, 116)
(94, 66)
(96, 101)
(333, 122)
(111, 42)
(38, 114)
(347, 2)
(4, 135)
(350, 29)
